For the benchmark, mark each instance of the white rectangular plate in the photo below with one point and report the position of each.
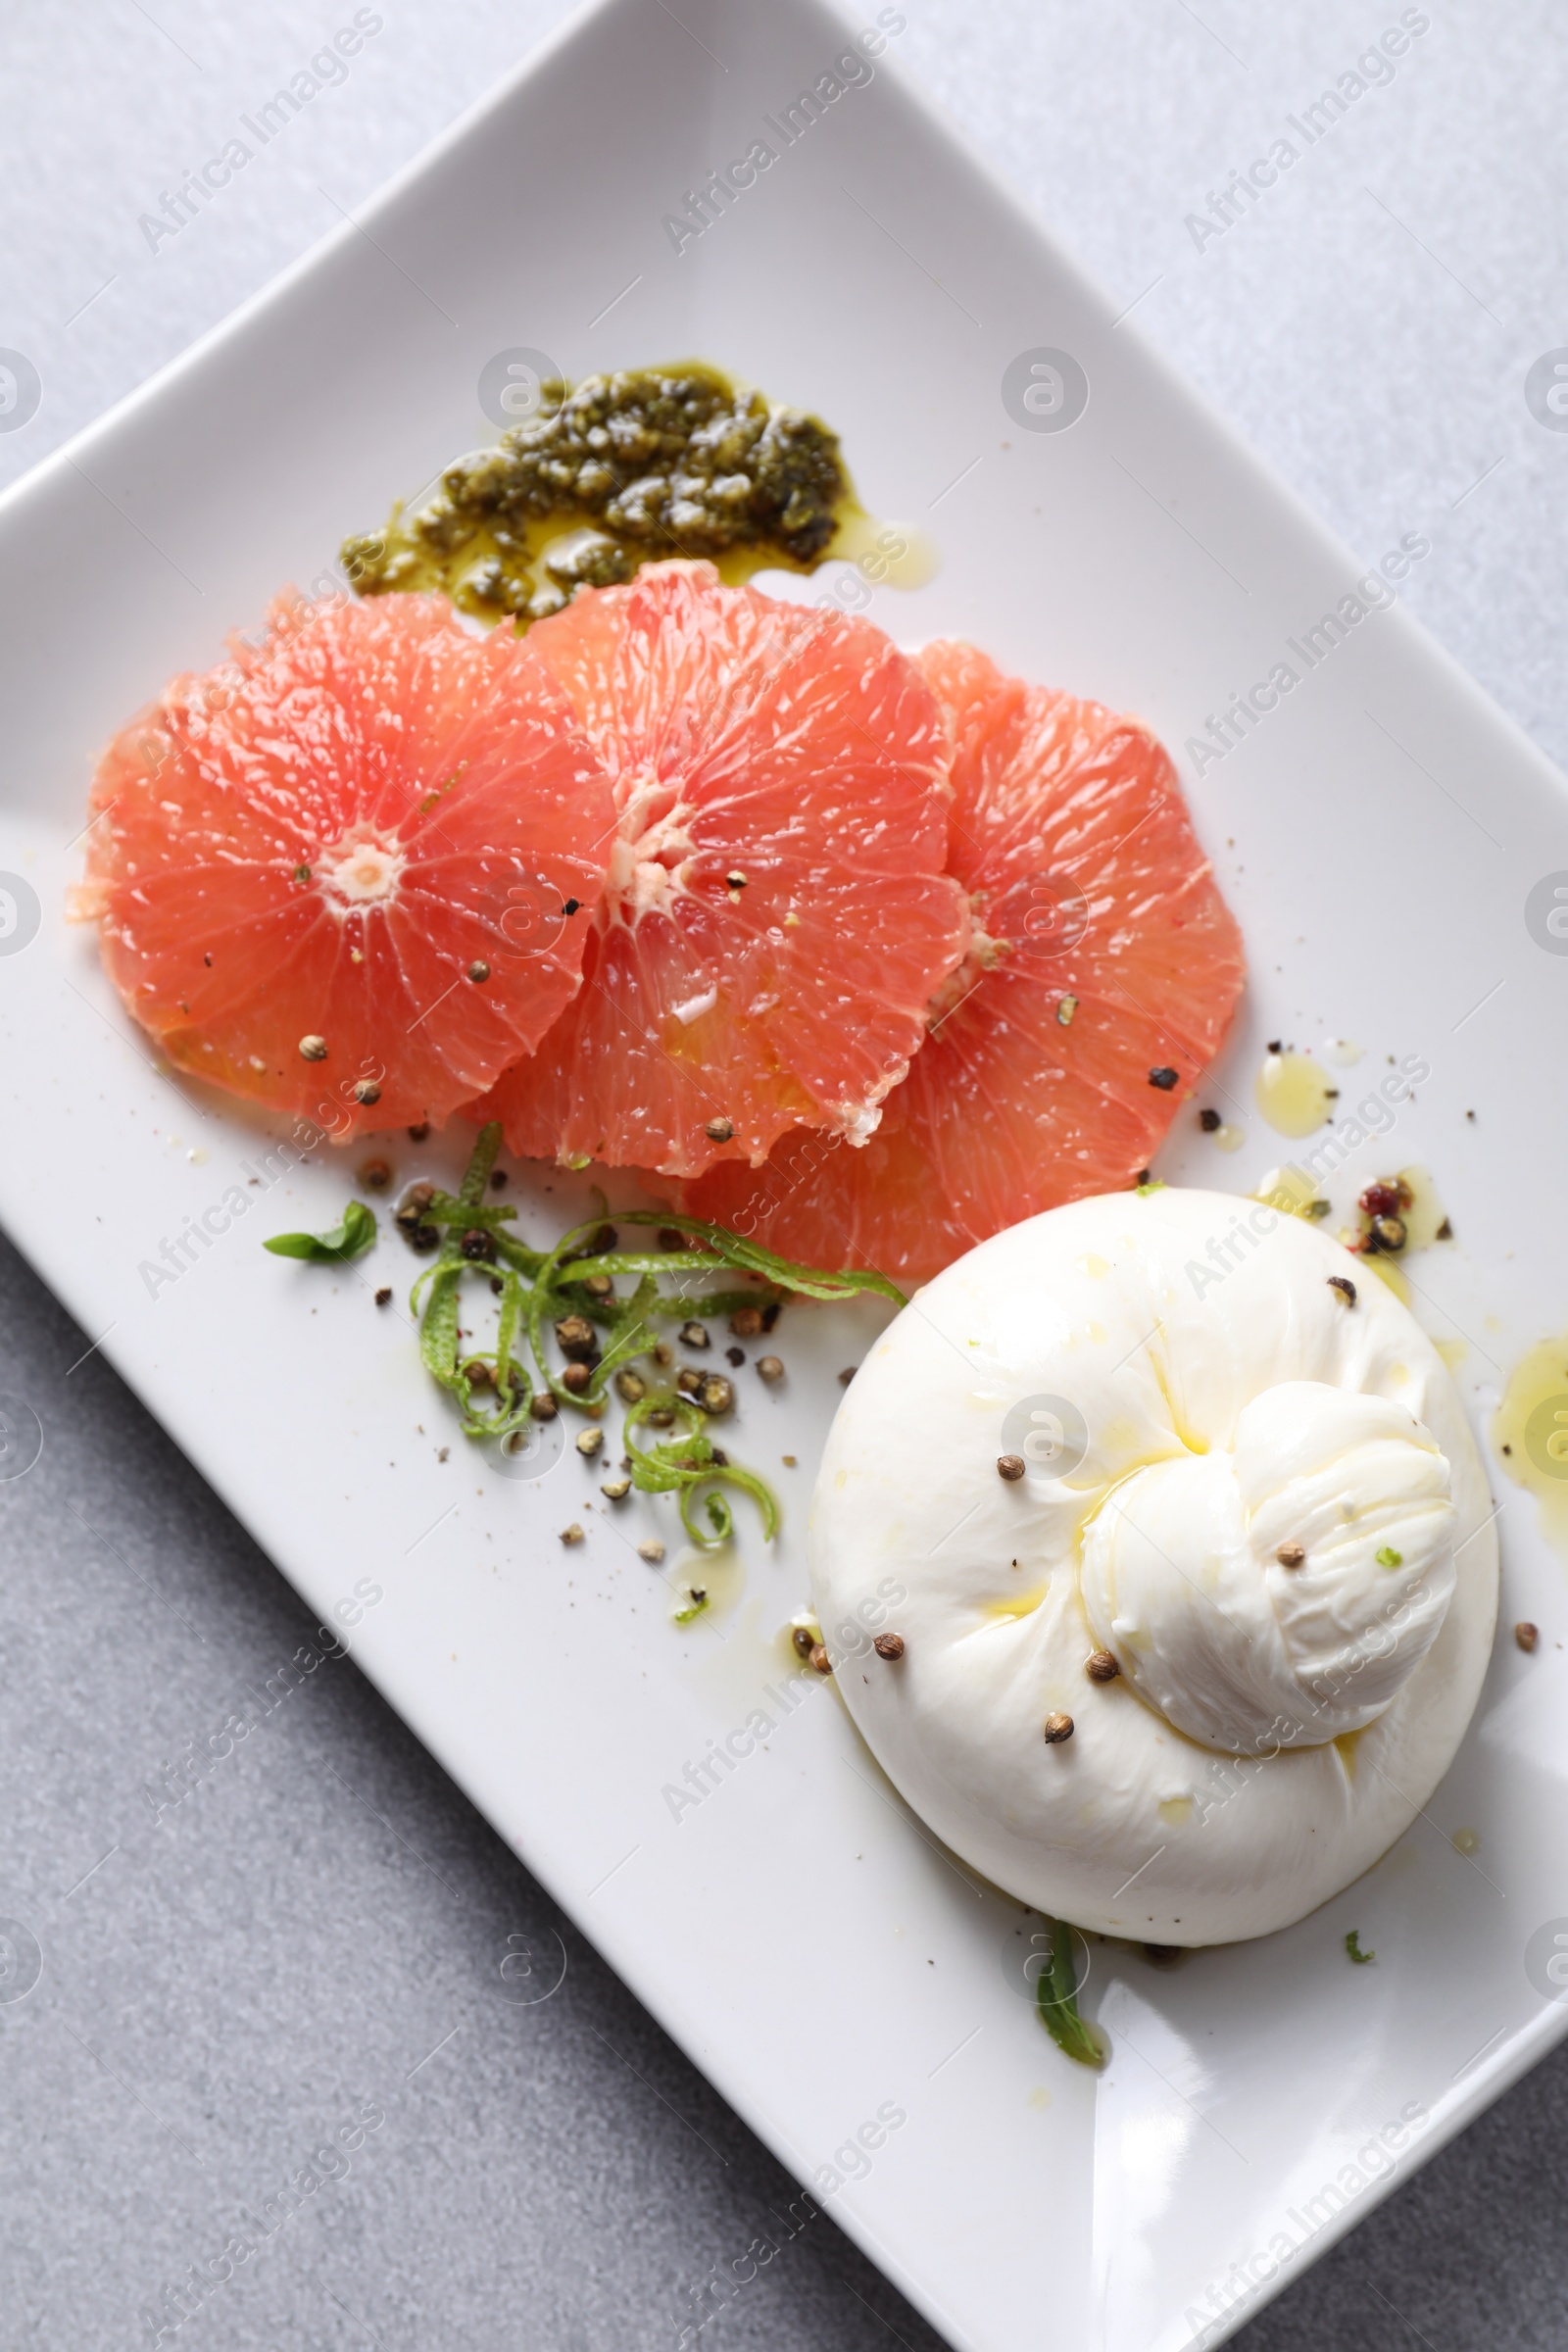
(1377, 833)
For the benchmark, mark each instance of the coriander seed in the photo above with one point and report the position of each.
(575, 1337)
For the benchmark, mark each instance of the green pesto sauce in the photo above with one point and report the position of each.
(614, 473)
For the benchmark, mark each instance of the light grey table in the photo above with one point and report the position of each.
(229, 1982)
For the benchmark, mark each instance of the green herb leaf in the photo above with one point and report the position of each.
(1352, 1944)
(351, 1239)
(1386, 1557)
(1056, 2000)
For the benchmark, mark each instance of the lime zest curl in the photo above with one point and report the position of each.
(1056, 2001)
(494, 1392)
(685, 1465)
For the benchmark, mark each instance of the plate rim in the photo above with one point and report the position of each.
(1532, 2041)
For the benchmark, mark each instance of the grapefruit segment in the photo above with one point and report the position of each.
(1103, 952)
(776, 912)
(362, 835)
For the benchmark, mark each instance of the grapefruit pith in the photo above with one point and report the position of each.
(776, 913)
(1102, 976)
(334, 875)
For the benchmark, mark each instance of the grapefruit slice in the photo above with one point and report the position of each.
(1102, 976)
(350, 874)
(776, 913)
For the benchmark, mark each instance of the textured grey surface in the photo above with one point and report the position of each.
(321, 1925)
